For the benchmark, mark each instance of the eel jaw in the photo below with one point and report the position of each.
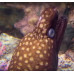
(60, 29)
(59, 26)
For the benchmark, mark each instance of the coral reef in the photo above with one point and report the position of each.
(4, 65)
(66, 61)
(71, 18)
(28, 23)
(2, 49)
(8, 41)
(7, 46)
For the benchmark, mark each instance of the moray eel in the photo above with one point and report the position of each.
(38, 50)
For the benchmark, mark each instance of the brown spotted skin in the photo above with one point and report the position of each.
(36, 51)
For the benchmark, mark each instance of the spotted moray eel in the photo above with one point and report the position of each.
(38, 51)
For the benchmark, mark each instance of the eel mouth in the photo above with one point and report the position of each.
(59, 26)
(60, 30)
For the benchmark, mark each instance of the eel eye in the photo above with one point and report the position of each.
(51, 33)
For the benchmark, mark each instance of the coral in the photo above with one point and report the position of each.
(7, 42)
(70, 54)
(28, 23)
(71, 18)
(2, 49)
(7, 46)
(66, 61)
(4, 66)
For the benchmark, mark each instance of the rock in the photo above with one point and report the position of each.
(10, 42)
(66, 61)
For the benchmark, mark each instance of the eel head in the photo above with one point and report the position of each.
(39, 50)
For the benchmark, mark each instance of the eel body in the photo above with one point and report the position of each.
(37, 51)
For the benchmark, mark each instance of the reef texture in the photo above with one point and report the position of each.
(71, 18)
(7, 47)
(28, 23)
(66, 61)
(39, 50)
